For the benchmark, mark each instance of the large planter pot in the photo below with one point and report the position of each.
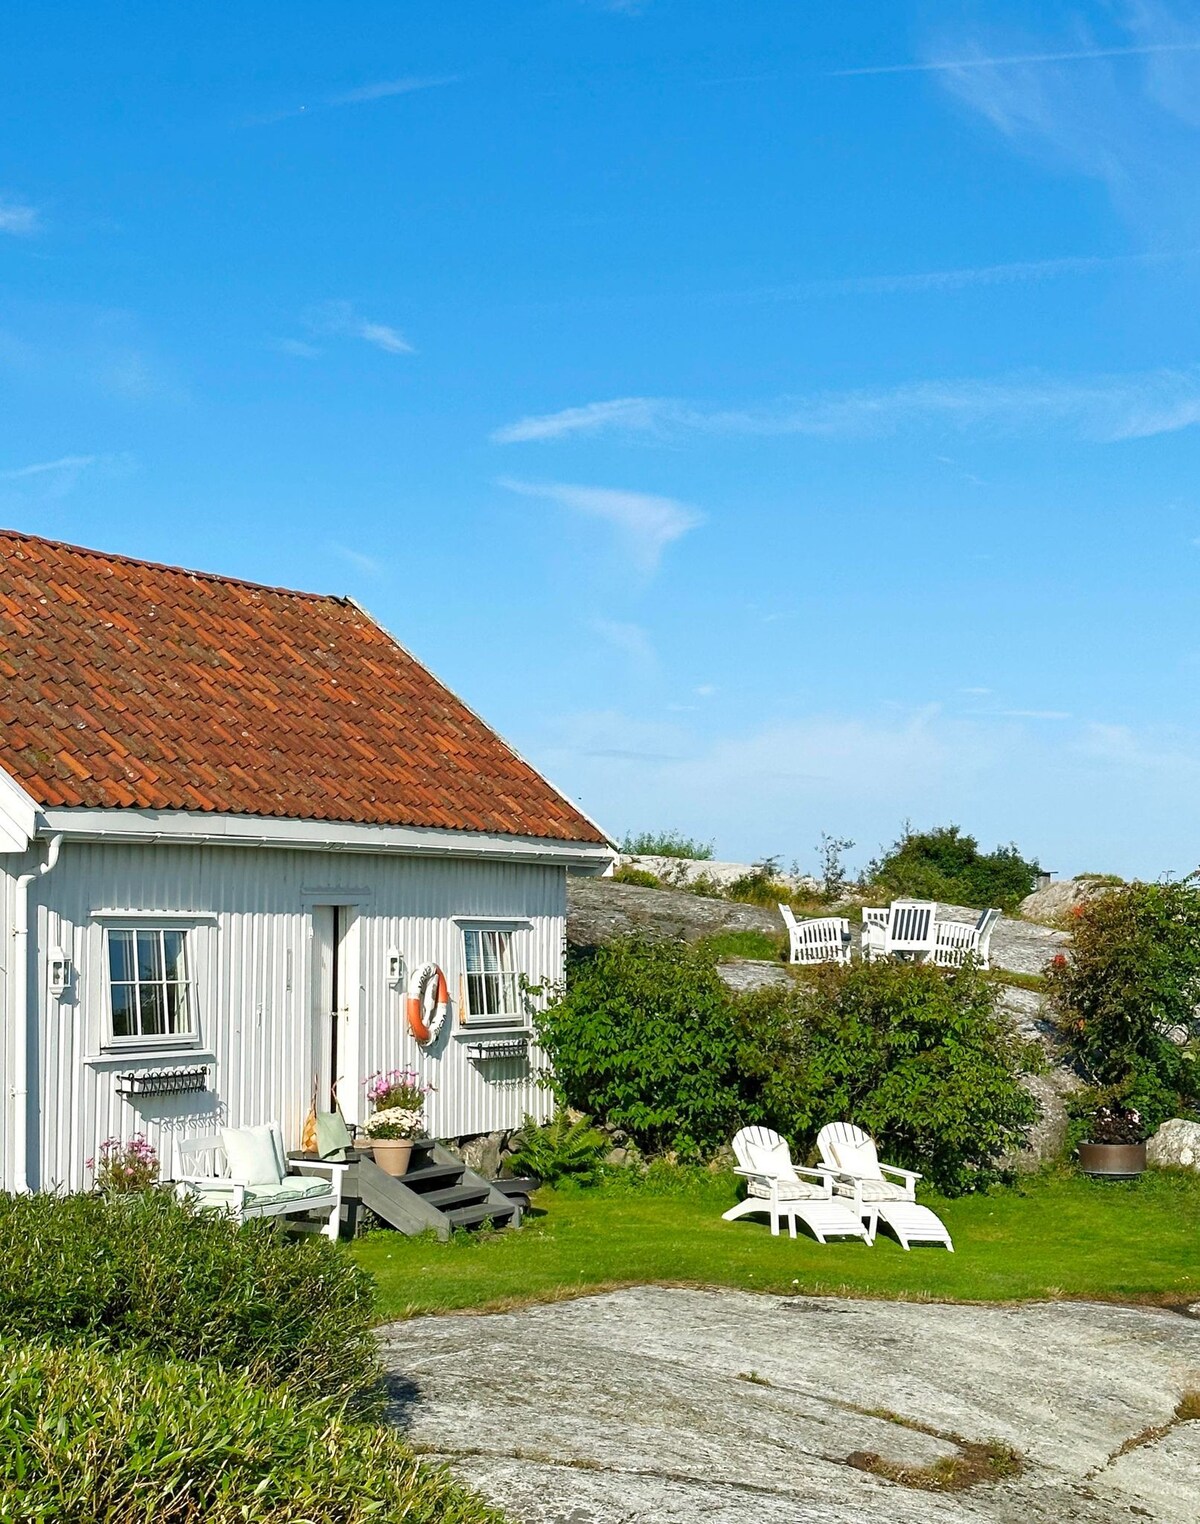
(1112, 1161)
(392, 1154)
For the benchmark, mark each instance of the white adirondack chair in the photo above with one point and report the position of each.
(825, 940)
(874, 931)
(280, 1187)
(782, 1189)
(850, 1153)
(911, 929)
(956, 941)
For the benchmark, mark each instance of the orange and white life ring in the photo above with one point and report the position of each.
(428, 1003)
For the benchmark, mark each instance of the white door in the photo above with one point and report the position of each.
(335, 1007)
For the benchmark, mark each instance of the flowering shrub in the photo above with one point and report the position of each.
(1116, 1124)
(122, 1167)
(398, 1102)
(1126, 1000)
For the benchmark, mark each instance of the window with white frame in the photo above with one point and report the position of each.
(493, 984)
(151, 993)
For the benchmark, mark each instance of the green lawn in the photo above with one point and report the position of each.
(1058, 1235)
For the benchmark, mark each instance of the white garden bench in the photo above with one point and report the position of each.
(245, 1172)
(956, 941)
(823, 940)
(850, 1154)
(774, 1185)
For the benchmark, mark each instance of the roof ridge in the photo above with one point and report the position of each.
(169, 566)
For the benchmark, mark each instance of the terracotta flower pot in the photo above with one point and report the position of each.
(1113, 1161)
(392, 1154)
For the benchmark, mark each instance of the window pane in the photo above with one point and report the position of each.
(120, 956)
(471, 939)
(124, 1010)
(153, 1009)
(512, 1002)
(149, 955)
(491, 994)
(475, 994)
(488, 939)
(178, 1015)
(173, 947)
(504, 950)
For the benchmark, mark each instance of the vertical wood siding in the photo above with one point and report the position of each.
(8, 867)
(251, 957)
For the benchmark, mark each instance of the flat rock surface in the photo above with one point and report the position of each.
(673, 1406)
(599, 910)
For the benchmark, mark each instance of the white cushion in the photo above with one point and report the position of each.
(253, 1155)
(874, 1189)
(775, 1162)
(789, 1190)
(858, 1159)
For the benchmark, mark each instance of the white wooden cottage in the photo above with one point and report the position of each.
(234, 822)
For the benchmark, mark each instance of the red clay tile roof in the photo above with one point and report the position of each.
(125, 684)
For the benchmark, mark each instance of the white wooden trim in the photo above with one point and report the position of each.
(493, 922)
(311, 899)
(195, 827)
(151, 917)
(18, 815)
(143, 1053)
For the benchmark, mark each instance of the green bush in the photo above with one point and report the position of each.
(918, 1057)
(744, 944)
(87, 1435)
(627, 874)
(562, 1149)
(1125, 1000)
(143, 1272)
(642, 1037)
(665, 844)
(943, 864)
(763, 886)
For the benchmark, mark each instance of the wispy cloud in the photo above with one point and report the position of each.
(384, 89)
(360, 561)
(630, 639)
(644, 522)
(1131, 128)
(362, 95)
(41, 467)
(977, 275)
(638, 413)
(340, 320)
(982, 61)
(1102, 408)
(53, 479)
(297, 348)
(18, 218)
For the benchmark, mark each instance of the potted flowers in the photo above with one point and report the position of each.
(125, 1168)
(397, 1117)
(1116, 1146)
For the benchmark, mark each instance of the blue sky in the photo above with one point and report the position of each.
(775, 419)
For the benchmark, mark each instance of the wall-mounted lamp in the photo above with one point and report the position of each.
(395, 968)
(60, 971)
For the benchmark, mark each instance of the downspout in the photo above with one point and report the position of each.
(20, 1092)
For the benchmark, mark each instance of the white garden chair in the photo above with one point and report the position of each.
(874, 931)
(775, 1185)
(911, 930)
(245, 1171)
(850, 1153)
(825, 940)
(956, 941)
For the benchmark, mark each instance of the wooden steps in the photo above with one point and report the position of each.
(438, 1193)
